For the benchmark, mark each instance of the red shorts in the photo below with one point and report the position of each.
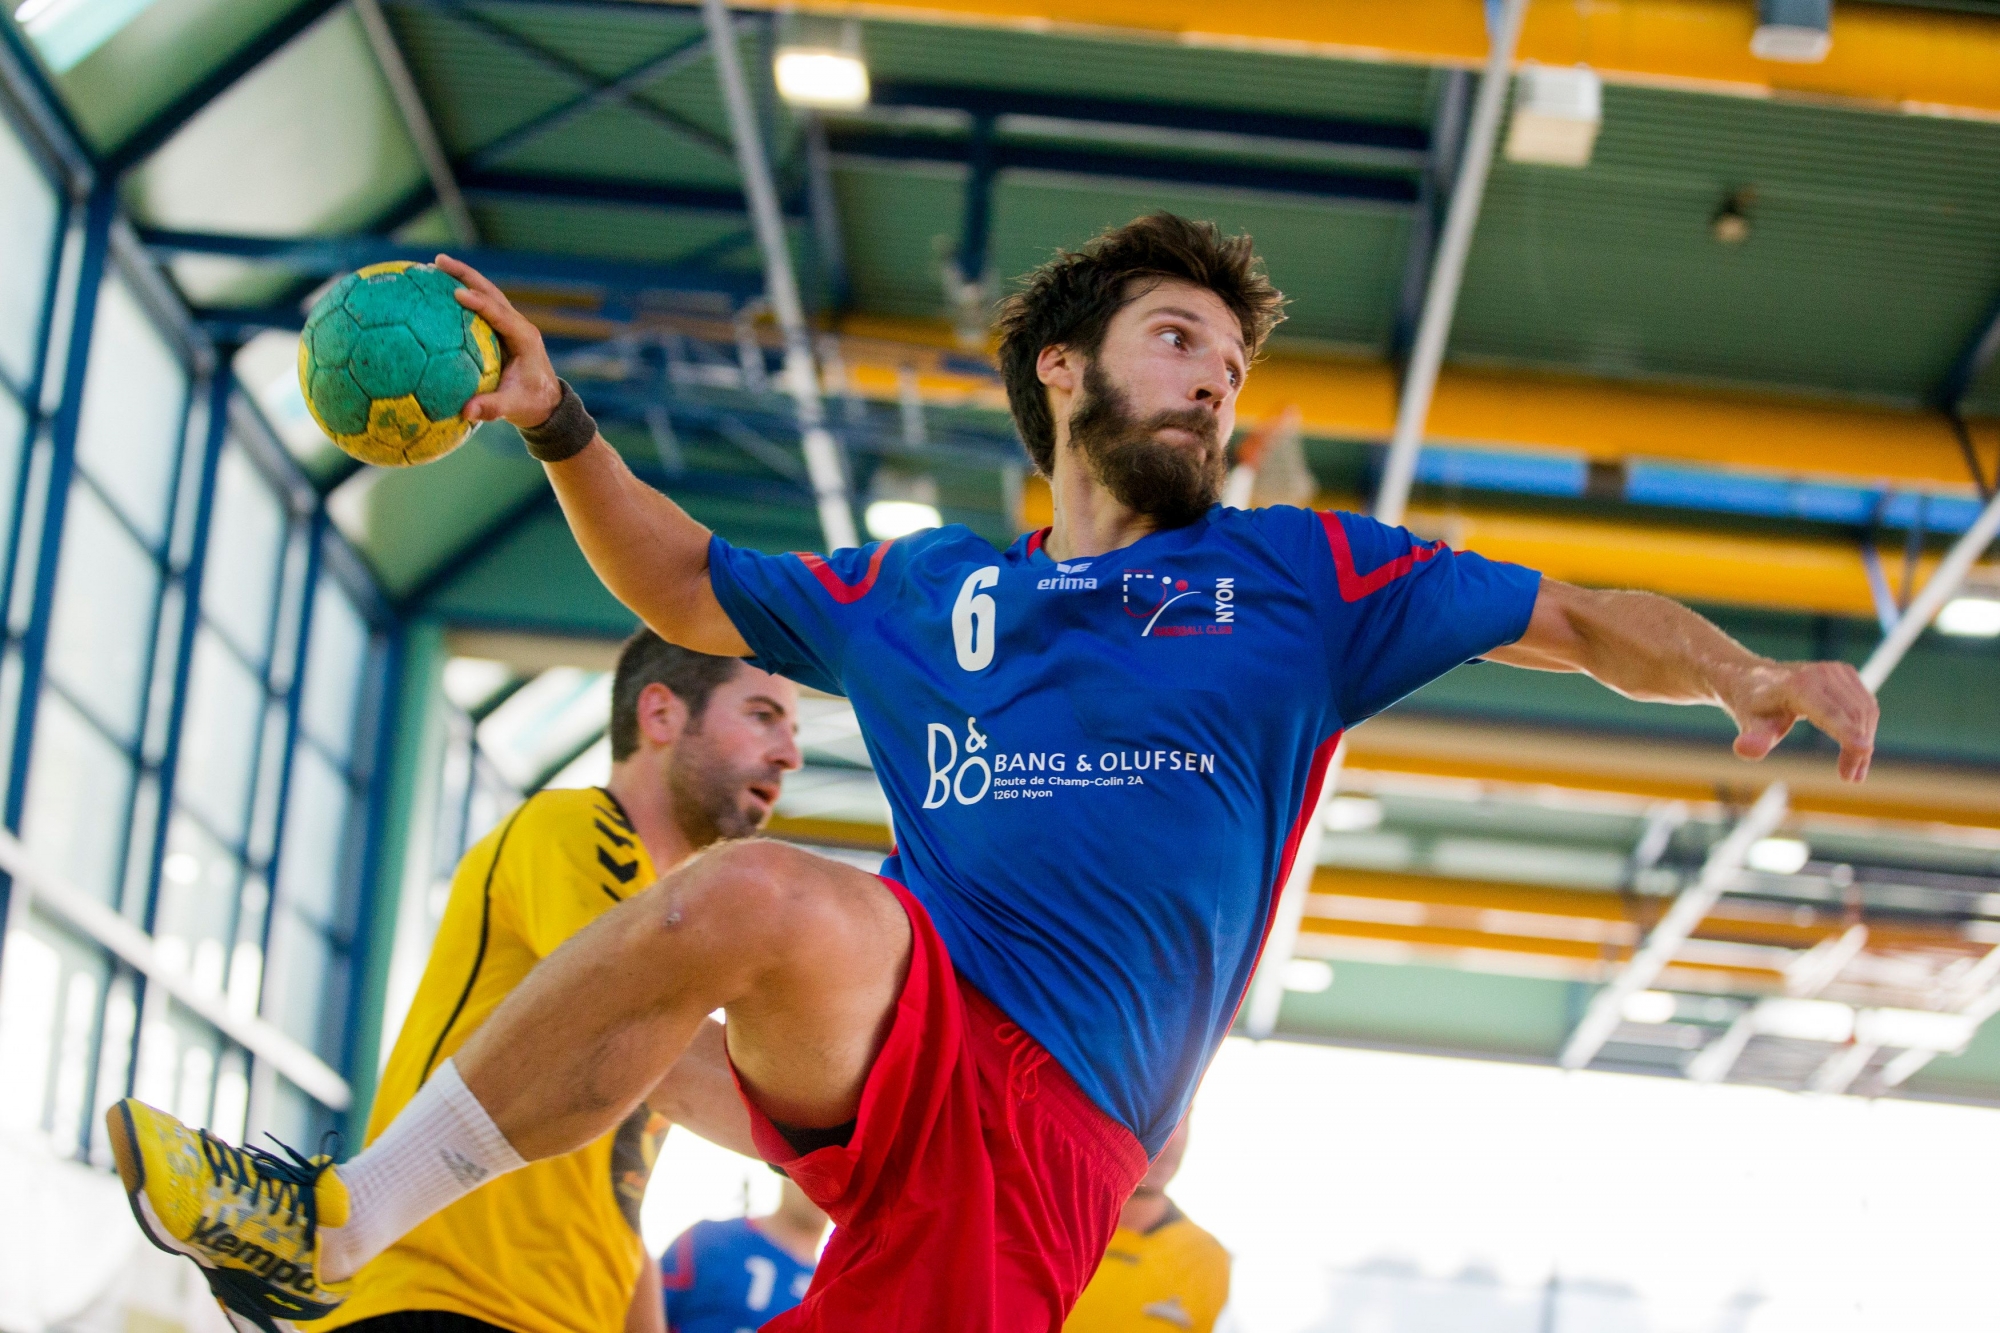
(980, 1186)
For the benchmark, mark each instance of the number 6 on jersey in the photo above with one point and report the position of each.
(974, 620)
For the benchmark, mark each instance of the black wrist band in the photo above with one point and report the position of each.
(567, 433)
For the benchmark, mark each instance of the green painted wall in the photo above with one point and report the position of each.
(1436, 1008)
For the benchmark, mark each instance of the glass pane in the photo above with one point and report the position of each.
(133, 400)
(191, 926)
(218, 736)
(313, 864)
(306, 991)
(106, 587)
(334, 661)
(13, 435)
(114, 1060)
(245, 545)
(78, 786)
(30, 996)
(27, 239)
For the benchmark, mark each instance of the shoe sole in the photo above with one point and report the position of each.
(131, 1163)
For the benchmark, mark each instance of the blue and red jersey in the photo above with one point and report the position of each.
(1098, 770)
(729, 1277)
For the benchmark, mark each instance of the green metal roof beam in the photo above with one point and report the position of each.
(618, 90)
(559, 64)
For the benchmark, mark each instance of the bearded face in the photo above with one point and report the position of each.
(715, 795)
(1172, 484)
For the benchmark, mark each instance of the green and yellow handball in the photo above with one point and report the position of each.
(388, 360)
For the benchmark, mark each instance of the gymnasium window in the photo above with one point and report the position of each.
(206, 723)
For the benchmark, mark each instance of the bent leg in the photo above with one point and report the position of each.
(805, 954)
(700, 1096)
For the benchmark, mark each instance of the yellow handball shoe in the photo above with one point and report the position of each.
(250, 1219)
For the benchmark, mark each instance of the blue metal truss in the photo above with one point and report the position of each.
(557, 63)
(1107, 166)
(1448, 126)
(619, 90)
(323, 256)
(1376, 143)
(543, 188)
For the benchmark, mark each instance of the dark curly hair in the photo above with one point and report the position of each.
(1071, 300)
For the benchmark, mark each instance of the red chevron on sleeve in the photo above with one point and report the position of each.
(1353, 585)
(844, 593)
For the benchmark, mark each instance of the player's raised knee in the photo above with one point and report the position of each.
(756, 891)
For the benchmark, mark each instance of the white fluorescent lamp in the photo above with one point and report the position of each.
(821, 77)
(1778, 856)
(889, 519)
(1803, 1020)
(1914, 1029)
(1797, 32)
(1648, 1006)
(1970, 617)
(1558, 110)
(1353, 814)
(1308, 976)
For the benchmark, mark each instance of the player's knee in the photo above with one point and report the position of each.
(758, 893)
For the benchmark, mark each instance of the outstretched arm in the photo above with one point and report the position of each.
(650, 554)
(1647, 647)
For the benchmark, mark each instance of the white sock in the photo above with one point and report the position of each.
(441, 1148)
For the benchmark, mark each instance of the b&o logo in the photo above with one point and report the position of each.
(949, 778)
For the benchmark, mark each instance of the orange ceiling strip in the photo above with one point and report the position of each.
(1908, 59)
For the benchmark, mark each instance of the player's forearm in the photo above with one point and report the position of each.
(1642, 645)
(647, 550)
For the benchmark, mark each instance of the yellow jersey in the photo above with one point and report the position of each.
(1173, 1277)
(553, 1247)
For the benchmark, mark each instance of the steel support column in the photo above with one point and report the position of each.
(822, 451)
(1448, 268)
(1718, 872)
(417, 121)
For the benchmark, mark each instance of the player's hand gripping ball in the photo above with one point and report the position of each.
(388, 361)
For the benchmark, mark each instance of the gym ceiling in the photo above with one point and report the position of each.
(1744, 356)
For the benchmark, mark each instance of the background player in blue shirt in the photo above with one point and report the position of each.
(1099, 746)
(733, 1276)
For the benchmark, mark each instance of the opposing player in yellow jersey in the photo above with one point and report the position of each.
(699, 747)
(1161, 1271)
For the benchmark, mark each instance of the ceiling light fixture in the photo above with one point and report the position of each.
(1970, 617)
(1778, 856)
(1308, 976)
(1558, 110)
(1731, 223)
(1648, 1006)
(1797, 32)
(887, 520)
(821, 77)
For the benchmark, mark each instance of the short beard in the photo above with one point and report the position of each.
(708, 794)
(1167, 483)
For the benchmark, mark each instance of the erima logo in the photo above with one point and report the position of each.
(213, 1237)
(1171, 1310)
(1066, 578)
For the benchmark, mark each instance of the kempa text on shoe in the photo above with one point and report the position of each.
(213, 1237)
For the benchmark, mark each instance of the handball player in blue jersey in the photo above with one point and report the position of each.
(1099, 747)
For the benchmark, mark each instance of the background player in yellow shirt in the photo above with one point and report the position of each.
(700, 746)
(1162, 1271)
